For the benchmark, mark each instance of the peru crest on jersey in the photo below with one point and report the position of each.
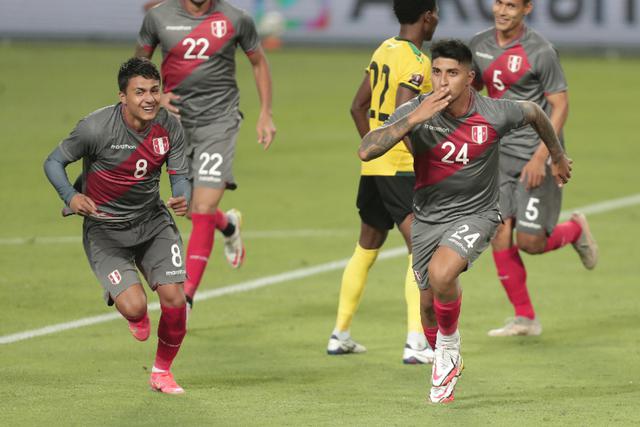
(514, 63)
(219, 28)
(479, 134)
(161, 145)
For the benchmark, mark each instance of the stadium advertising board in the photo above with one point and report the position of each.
(580, 23)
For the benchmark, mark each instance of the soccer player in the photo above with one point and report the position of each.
(397, 72)
(454, 133)
(126, 226)
(198, 39)
(515, 62)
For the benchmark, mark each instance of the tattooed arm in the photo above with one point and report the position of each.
(536, 117)
(380, 140)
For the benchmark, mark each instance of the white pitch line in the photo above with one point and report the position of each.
(213, 293)
(592, 209)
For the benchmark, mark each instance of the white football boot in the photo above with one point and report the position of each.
(233, 246)
(447, 368)
(347, 345)
(417, 356)
(518, 326)
(586, 245)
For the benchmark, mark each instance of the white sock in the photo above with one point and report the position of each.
(157, 370)
(342, 335)
(416, 340)
(448, 340)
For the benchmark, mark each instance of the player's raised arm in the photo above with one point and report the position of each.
(380, 140)
(536, 117)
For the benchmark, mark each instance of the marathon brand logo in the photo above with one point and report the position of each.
(161, 145)
(479, 134)
(175, 272)
(484, 55)
(114, 277)
(437, 128)
(178, 28)
(416, 79)
(514, 63)
(219, 28)
(122, 147)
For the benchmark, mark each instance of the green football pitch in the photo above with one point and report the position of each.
(255, 354)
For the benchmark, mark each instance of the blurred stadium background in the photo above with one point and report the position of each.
(255, 352)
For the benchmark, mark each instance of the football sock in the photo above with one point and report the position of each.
(412, 297)
(513, 277)
(447, 314)
(171, 330)
(431, 333)
(563, 234)
(199, 249)
(354, 280)
(223, 224)
(416, 340)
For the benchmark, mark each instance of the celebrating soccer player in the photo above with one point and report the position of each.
(397, 72)
(198, 39)
(515, 62)
(454, 133)
(126, 227)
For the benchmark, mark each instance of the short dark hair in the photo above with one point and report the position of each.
(134, 67)
(409, 11)
(452, 49)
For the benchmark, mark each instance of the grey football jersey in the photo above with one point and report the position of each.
(199, 56)
(526, 69)
(456, 158)
(121, 167)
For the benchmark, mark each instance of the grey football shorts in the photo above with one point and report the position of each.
(468, 236)
(210, 150)
(117, 252)
(535, 211)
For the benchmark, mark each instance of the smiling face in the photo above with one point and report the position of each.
(509, 14)
(141, 99)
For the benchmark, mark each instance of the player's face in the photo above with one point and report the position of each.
(449, 73)
(509, 14)
(430, 23)
(198, 2)
(142, 98)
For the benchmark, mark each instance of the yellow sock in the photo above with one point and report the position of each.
(412, 296)
(354, 280)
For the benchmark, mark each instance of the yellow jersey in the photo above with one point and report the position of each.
(396, 62)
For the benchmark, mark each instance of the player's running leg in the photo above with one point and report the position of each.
(444, 269)
(428, 317)
(352, 287)
(513, 276)
(416, 348)
(575, 231)
(204, 205)
(132, 304)
(172, 328)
